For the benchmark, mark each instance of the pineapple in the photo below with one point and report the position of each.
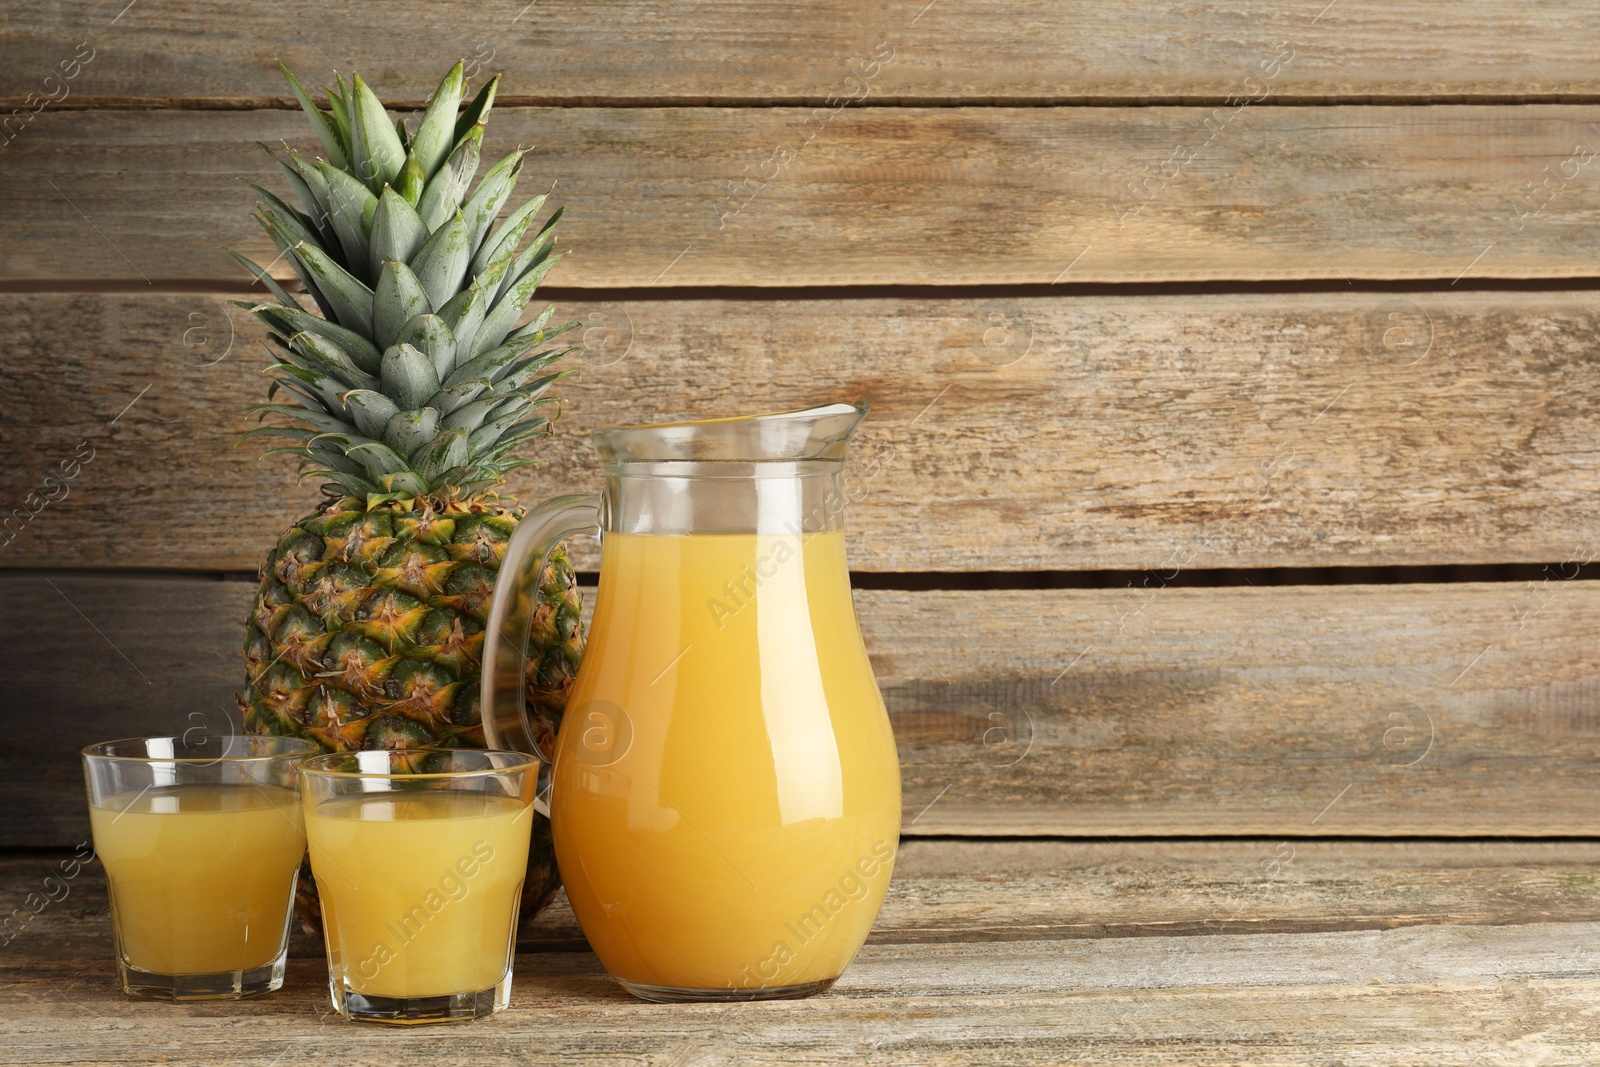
(408, 394)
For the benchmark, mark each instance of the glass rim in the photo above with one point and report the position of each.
(805, 434)
(719, 420)
(100, 750)
(522, 760)
(733, 470)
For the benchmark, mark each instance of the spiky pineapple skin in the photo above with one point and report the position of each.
(367, 632)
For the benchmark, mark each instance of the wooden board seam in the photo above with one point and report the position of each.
(403, 106)
(834, 294)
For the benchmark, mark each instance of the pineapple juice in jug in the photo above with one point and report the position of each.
(727, 792)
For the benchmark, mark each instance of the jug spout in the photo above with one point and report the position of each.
(817, 434)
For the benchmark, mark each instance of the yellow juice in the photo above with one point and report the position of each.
(419, 889)
(726, 805)
(201, 876)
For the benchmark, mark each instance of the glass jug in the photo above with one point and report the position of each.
(725, 801)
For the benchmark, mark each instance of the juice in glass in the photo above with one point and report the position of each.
(202, 839)
(419, 890)
(726, 802)
(419, 857)
(201, 876)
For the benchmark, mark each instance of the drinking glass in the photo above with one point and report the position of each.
(201, 838)
(419, 857)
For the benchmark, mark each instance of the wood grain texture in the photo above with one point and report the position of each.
(953, 891)
(698, 51)
(1438, 994)
(936, 196)
(1450, 710)
(1035, 433)
(1407, 709)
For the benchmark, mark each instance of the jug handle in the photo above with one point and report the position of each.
(503, 692)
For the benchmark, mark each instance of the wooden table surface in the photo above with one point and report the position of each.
(1250, 951)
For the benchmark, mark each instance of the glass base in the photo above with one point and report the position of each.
(452, 1007)
(224, 985)
(661, 994)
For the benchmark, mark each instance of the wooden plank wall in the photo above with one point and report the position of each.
(1192, 292)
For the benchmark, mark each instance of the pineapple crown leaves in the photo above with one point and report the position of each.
(411, 381)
